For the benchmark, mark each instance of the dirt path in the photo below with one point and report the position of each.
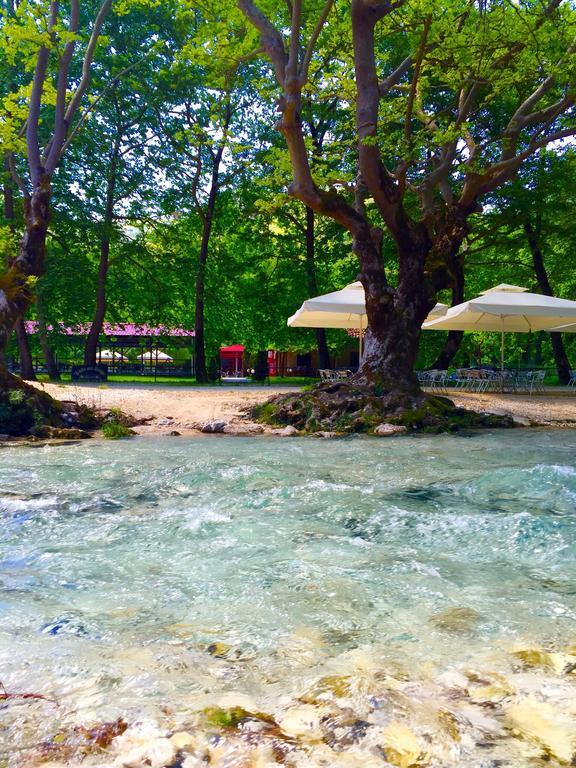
(181, 408)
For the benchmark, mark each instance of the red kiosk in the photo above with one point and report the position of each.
(232, 360)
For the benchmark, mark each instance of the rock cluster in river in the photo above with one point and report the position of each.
(361, 715)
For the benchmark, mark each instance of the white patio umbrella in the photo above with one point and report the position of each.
(111, 354)
(506, 308)
(571, 328)
(340, 309)
(155, 355)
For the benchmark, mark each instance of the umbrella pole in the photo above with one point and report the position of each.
(502, 352)
(360, 344)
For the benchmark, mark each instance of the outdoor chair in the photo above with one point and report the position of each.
(437, 380)
(572, 380)
(326, 374)
(531, 381)
(462, 378)
(537, 383)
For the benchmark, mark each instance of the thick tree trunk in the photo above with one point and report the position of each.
(558, 349)
(26, 365)
(454, 340)
(322, 344)
(15, 289)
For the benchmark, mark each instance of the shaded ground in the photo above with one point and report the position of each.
(556, 408)
(182, 408)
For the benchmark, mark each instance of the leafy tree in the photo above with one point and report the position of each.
(38, 35)
(450, 101)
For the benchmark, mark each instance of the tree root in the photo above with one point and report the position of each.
(26, 410)
(347, 407)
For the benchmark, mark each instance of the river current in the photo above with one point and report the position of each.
(298, 602)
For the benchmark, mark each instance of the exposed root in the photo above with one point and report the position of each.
(347, 407)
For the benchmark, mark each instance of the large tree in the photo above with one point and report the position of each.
(450, 99)
(50, 38)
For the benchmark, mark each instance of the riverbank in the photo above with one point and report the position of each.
(169, 408)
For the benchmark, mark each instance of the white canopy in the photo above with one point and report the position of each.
(111, 354)
(506, 308)
(154, 355)
(565, 328)
(340, 309)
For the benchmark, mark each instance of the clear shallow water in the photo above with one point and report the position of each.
(148, 579)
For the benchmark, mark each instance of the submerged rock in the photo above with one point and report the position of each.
(402, 747)
(302, 723)
(458, 620)
(143, 745)
(561, 663)
(540, 723)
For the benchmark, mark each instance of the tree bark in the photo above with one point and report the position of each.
(322, 344)
(202, 374)
(454, 340)
(91, 345)
(26, 365)
(15, 289)
(558, 348)
(47, 351)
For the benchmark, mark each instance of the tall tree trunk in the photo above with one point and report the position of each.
(47, 351)
(208, 219)
(558, 349)
(91, 345)
(454, 340)
(199, 337)
(322, 344)
(26, 365)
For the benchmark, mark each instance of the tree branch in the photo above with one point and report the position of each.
(305, 66)
(87, 64)
(270, 37)
(32, 142)
(53, 150)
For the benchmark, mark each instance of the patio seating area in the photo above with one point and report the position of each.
(327, 374)
(484, 380)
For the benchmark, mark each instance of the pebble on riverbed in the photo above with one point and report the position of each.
(359, 712)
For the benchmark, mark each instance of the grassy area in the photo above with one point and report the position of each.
(275, 381)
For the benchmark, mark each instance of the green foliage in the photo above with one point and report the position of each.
(115, 430)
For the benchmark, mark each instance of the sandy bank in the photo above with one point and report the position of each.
(181, 408)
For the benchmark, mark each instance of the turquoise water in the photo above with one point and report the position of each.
(148, 579)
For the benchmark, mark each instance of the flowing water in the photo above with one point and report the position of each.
(356, 602)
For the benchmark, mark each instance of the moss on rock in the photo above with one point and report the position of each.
(348, 408)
